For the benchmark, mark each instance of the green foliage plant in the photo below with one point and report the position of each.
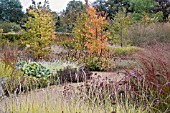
(11, 37)
(73, 11)
(79, 37)
(40, 31)
(124, 51)
(9, 27)
(10, 79)
(97, 64)
(11, 10)
(1, 30)
(4, 71)
(33, 69)
(158, 17)
(140, 7)
(9, 75)
(118, 28)
(93, 64)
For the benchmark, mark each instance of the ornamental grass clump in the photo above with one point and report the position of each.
(150, 82)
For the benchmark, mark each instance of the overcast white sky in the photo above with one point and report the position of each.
(55, 5)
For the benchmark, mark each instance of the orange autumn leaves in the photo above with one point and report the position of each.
(90, 32)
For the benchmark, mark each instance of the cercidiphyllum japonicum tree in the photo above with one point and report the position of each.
(119, 27)
(90, 32)
(80, 31)
(40, 30)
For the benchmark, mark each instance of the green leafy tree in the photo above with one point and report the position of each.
(73, 10)
(80, 31)
(59, 22)
(140, 7)
(40, 30)
(111, 7)
(11, 10)
(137, 7)
(118, 28)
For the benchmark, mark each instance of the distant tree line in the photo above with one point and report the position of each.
(11, 12)
(155, 8)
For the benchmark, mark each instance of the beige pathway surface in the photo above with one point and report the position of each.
(40, 94)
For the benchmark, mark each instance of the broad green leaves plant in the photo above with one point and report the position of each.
(33, 69)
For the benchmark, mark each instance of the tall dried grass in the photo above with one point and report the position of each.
(140, 34)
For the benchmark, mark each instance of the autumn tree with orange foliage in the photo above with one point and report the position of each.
(90, 32)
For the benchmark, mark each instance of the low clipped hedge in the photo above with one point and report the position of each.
(11, 37)
(9, 27)
(124, 51)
